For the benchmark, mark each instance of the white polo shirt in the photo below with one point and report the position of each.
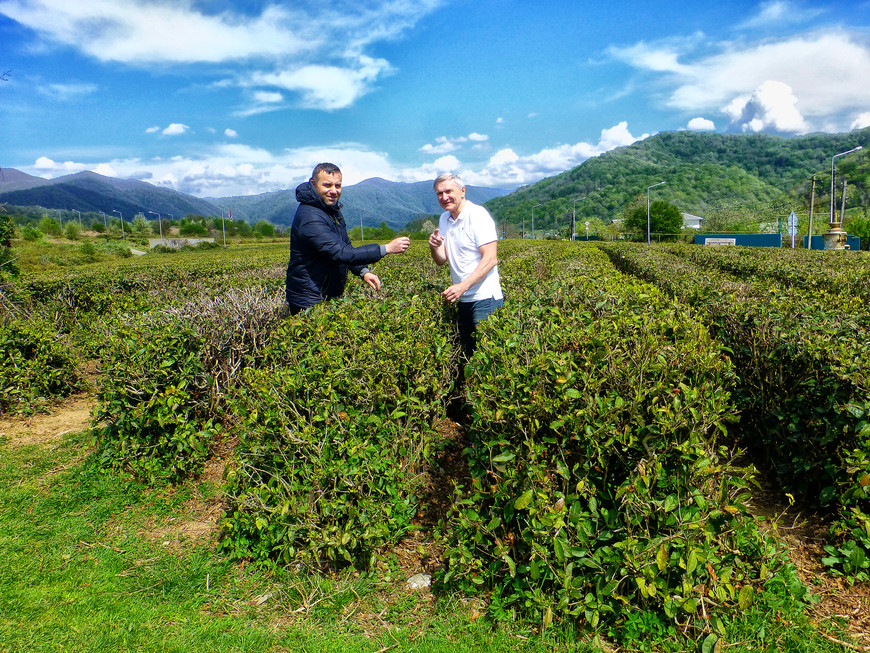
(463, 238)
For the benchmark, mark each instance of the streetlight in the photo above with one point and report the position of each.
(123, 235)
(533, 219)
(647, 211)
(159, 221)
(574, 216)
(223, 226)
(80, 216)
(833, 190)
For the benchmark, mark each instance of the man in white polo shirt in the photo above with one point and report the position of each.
(466, 239)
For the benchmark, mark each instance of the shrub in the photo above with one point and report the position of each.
(152, 413)
(334, 426)
(37, 366)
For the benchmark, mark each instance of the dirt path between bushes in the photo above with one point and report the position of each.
(71, 416)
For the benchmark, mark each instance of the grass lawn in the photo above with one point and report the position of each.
(94, 561)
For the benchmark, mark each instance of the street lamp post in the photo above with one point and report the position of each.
(223, 226)
(80, 216)
(836, 237)
(123, 235)
(362, 235)
(648, 240)
(159, 222)
(574, 217)
(533, 219)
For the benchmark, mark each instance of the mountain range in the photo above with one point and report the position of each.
(374, 200)
(703, 173)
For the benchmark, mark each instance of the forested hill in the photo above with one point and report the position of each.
(702, 173)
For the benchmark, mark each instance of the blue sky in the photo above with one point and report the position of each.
(232, 97)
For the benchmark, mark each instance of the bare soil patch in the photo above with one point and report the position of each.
(70, 416)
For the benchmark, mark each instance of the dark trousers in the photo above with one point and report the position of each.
(469, 315)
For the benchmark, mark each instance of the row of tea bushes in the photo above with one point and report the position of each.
(834, 273)
(335, 425)
(36, 366)
(802, 358)
(599, 488)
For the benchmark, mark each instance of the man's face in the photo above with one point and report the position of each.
(450, 196)
(328, 186)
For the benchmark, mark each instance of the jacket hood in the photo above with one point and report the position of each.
(307, 194)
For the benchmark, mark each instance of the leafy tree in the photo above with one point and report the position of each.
(860, 226)
(192, 229)
(49, 226)
(664, 218)
(141, 228)
(264, 229)
(30, 233)
(242, 227)
(72, 230)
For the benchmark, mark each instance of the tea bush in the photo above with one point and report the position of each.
(334, 427)
(598, 487)
(36, 367)
(801, 354)
(152, 415)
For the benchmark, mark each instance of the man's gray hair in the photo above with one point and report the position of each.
(448, 176)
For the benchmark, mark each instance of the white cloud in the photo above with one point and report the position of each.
(445, 144)
(771, 107)
(291, 47)
(152, 130)
(231, 133)
(701, 125)
(779, 12)
(68, 92)
(229, 169)
(268, 97)
(440, 148)
(825, 70)
(506, 168)
(175, 129)
(861, 121)
(326, 87)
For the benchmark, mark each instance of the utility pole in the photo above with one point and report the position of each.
(812, 202)
(843, 205)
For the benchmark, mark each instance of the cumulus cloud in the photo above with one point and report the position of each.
(772, 107)
(152, 130)
(445, 144)
(229, 169)
(825, 70)
(175, 129)
(507, 169)
(292, 47)
(701, 125)
(325, 87)
(861, 121)
(231, 133)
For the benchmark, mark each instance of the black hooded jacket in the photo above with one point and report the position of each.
(320, 251)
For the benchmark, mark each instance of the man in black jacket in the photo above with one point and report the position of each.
(320, 250)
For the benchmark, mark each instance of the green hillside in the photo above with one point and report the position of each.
(703, 174)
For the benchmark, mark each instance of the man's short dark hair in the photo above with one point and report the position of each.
(328, 168)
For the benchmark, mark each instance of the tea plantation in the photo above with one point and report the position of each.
(617, 418)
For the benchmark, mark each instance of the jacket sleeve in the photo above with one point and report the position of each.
(318, 231)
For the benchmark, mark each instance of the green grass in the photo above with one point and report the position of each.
(81, 570)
